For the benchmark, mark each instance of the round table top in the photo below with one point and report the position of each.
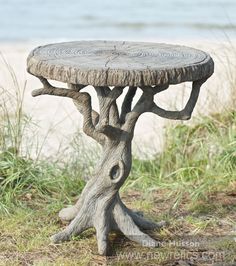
(116, 63)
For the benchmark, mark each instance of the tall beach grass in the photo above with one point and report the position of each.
(24, 180)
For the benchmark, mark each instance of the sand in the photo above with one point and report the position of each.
(58, 120)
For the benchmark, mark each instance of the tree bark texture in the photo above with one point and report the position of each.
(99, 205)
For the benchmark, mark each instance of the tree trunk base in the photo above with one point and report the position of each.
(106, 217)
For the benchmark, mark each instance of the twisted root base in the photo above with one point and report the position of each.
(100, 206)
(118, 218)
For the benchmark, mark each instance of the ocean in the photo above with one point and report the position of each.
(26, 20)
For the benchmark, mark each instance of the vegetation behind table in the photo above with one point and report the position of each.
(193, 177)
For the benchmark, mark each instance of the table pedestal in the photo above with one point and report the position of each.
(100, 205)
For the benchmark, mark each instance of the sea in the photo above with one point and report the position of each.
(27, 20)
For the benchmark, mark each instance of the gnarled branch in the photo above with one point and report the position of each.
(127, 103)
(102, 93)
(75, 87)
(143, 105)
(186, 113)
(83, 104)
(146, 104)
(109, 116)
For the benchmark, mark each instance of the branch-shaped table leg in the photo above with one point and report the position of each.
(99, 204)
(146, 104)
(83, 102)
(127, 104)
(184, 114)
(112, 109)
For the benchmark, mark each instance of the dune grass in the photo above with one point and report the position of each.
(197, 160)
(191, 184)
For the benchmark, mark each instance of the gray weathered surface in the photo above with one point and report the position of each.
(100, 205)
(108, 63)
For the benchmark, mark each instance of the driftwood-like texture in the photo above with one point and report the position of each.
(108, 63)
(99, 204)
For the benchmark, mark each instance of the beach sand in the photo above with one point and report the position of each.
(58, 120)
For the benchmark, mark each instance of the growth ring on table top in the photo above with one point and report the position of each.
(111, 63)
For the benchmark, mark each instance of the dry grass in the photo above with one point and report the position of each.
(25, 234)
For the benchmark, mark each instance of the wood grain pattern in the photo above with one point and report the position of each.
(109, 63)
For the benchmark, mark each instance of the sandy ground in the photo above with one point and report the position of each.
(58, 120)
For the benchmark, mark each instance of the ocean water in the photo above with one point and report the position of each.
(25, 20)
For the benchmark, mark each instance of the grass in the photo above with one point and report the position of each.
(198, 159)
(191, 184)
(24, 181)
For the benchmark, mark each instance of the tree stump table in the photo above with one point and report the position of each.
(110, 67)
